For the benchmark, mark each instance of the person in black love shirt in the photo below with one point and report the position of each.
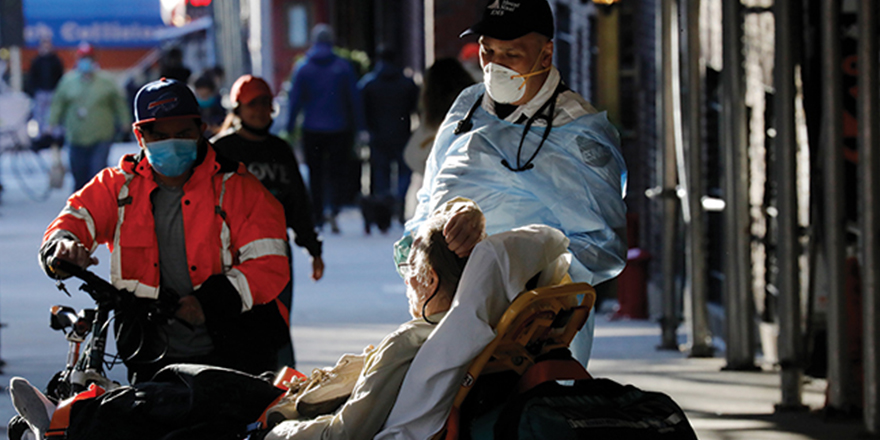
(271, 160)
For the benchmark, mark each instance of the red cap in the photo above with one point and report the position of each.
(469, 52)
(85, 50)
(248, 87)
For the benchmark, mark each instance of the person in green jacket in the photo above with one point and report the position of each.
(92, 110)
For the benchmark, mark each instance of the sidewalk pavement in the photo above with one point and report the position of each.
(721, 405)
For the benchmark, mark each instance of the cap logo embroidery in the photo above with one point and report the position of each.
(165, 102)
(499, 7)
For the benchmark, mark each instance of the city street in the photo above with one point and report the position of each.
(360, 299)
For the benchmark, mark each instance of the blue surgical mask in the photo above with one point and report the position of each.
(205, 103)
(172, 157)
(85, 65)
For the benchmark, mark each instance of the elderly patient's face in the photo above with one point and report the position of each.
(416, 291)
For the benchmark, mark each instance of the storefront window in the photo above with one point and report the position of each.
(297, 26)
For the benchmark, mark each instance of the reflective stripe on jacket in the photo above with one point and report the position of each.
(233, 226)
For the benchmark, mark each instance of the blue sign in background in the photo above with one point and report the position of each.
(102, 23)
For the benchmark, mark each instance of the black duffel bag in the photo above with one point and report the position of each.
(590, 409)
(182, 402)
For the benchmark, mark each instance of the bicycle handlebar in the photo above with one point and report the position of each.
(100, 290)
(123, 302)
(105, 294)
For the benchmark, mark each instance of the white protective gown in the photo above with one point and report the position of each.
(577, 186)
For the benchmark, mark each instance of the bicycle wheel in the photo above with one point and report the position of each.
(31, 170)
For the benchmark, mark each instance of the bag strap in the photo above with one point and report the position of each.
(551, 369)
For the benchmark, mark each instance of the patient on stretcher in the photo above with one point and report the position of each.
(497, 271)
(432, 274)
(465, 308)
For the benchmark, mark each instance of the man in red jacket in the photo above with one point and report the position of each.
(182, 222)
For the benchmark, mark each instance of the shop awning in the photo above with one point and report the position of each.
(102, 23)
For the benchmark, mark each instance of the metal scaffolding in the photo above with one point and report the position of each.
(697, 310)
(668, 29)
(869, 177)
(840, 382)
(738, 299)
(790, 333)
(230, 47)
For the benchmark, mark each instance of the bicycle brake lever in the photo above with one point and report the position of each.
(60, 285)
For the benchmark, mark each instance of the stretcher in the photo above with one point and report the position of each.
(538, 322)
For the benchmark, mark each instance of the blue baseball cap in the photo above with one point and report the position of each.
(164, 99)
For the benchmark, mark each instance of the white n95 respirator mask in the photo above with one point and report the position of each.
(504, 85)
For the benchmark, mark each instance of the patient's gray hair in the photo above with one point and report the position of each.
(430, 251)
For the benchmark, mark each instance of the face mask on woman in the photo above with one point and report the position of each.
(172, 157)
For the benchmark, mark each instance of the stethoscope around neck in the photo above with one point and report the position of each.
(466, 124)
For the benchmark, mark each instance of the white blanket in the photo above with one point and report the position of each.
(496, 273)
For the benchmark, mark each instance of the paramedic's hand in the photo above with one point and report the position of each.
(74, 252)
(190, 310)
(464, 230)
(317, 268)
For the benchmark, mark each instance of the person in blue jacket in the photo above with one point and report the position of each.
(390, 98)
(324, 88)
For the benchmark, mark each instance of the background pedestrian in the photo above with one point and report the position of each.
(271, 160)
(325, 90)
(92, 110)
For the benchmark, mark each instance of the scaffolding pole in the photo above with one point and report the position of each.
(841, 395)
(700, 337)
(738, 298)
(869, 162)
(790, 334)
(228, 40)
(670, 320)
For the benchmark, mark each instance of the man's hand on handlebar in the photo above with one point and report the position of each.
(74, 252)
(190, 310)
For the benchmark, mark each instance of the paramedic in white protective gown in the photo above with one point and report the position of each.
(495, 148)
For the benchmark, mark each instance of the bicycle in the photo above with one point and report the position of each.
(86, 368)
(83, 378)
(86, 332)
(29, 164)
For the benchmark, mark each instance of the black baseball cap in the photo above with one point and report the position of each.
(164, 99)
(511, 19)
